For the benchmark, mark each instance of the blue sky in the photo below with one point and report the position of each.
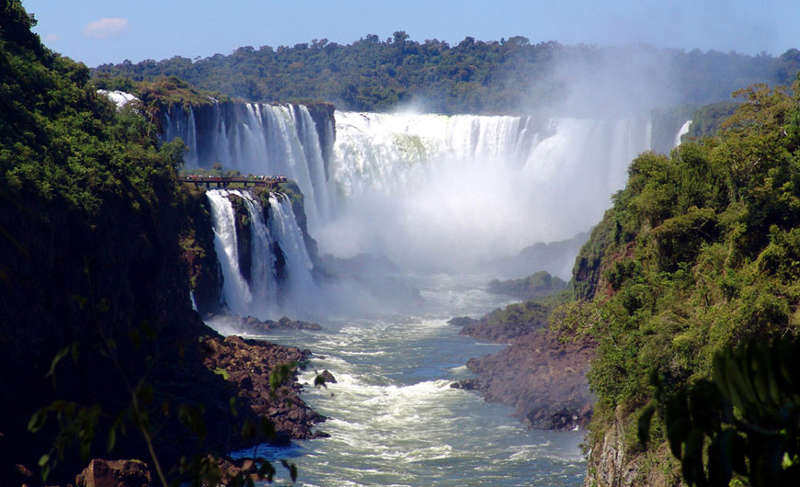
(96, 31)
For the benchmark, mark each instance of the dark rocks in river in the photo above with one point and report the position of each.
(254, 325)
(541, 376)
(470, 384)
(247, 365)
(328, 377)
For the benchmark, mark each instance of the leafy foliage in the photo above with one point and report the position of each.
(697, 257)
(100, 346)
(472, 76)
(744, 423)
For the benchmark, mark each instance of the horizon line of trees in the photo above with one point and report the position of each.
(508, 76)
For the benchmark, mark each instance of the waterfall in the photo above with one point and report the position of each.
(262, 296)
(432, 191)
(425, 190)
(263, 282)
(683, 131)
(258, 139)
(389, 152)
(284, 227)
(235, 291)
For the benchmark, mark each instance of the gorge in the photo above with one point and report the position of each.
(394, 363)
(212, 286)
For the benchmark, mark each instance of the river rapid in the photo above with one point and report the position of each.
(394, 420)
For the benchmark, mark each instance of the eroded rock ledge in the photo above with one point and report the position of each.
(541, 376)
(247, 364)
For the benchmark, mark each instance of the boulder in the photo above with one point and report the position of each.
(329, 378)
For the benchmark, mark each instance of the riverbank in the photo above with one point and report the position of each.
(540, 374)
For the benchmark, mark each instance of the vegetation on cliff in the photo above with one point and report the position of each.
(99, 347)
(697, 257)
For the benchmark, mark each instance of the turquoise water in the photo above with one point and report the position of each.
(394, 419)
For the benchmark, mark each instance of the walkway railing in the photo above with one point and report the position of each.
(224, 182)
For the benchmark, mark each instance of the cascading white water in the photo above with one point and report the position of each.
(683, 131)
(263, 282)
(428, 191)
(261, 297)
(287, 233)
(389, 152)
(435, 191)
(236, 291)
(259, 139)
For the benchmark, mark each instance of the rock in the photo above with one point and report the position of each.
(329, 378)
(467, 384)
(254, 325)
(247, 364)
(543, 378)
(462, 321)
(114, 473)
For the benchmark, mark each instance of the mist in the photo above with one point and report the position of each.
(437, 193)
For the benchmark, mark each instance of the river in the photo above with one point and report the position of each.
(394, 420)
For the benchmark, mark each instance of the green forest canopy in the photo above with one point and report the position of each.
(473, 76)
(697, 257)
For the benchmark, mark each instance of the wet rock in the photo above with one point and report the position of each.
(467, 384)
(248, 365)
(543, 378)
(329, 378)
(114, 473)
(254, 325)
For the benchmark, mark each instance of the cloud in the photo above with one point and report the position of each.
(105, 28)
(51, 37)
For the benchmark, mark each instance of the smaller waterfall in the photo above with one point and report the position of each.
(236, 291)
(683, 131)
(260, 139)
(263, 282)
(262, 296)
(284, 227)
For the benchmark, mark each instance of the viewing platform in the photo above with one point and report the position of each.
(224, 182)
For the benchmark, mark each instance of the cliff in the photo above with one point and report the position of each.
(697, 259)
(541, 374)
(99, 346)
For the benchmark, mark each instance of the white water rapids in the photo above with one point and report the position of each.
(393, 417)
(437, 195)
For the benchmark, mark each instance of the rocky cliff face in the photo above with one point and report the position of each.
(611, 465)
(199, 254)
(541, 376)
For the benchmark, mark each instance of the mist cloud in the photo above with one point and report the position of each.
(106, 28)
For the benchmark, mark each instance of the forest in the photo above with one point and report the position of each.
(689, 287)
(507, 76)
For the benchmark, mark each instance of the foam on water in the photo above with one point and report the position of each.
(395, 420)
